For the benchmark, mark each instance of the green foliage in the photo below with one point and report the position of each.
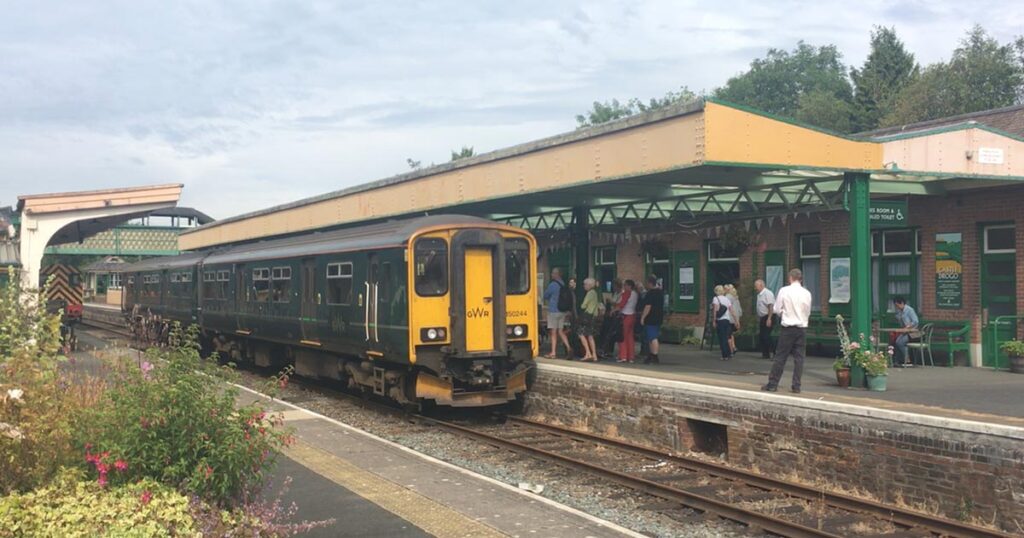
(982, 74)
(464, 153)
(799, 84)
(73, 507)
(1013, 348)
(173, 419)
(604, 112)
(36, 406)
(888, 68)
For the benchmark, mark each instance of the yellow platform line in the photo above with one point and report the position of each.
(427, 514)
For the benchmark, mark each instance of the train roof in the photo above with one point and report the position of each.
(373, 236)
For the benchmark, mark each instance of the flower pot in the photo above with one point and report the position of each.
(1017, 365)
(857, 377)
(877, 382)
(843, 377)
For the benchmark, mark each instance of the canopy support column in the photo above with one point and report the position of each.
(860, 262)
(581, 246)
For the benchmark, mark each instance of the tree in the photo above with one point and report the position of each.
(777, 83)
(464, 153)
(887, 69)
(981, 75)
(415, 165)
(614, 110)
(823, 109)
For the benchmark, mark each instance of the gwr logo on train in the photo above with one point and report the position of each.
(478, 312)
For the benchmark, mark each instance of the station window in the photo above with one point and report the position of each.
(431, 266)
(661, 268)
(281, 279)
(1000, 239)
(261, 284)
(810, 265)
(717, 252)
(895, 268)
(517, 266)
(339, 283)
(223, 284)
(115, 281)
(604, 267)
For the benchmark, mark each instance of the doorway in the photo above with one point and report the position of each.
(998, 291)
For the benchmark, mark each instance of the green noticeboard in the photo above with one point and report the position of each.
(949, 270)
(888, 214)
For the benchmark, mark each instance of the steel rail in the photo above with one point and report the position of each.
(900, 516)
(689, 499)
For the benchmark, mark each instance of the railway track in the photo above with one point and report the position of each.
(688, 489)
(112, 328)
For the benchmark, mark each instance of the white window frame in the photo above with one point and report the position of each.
(809, 256)
(115, 281)
(713, 259)
(984, 234)
(281, 273)
(185, 277)
(599, 260)
(209, 276)
(913, 240)
(338, 276)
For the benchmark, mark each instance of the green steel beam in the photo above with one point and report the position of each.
(860, 262)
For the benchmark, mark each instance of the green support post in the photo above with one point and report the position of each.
(581, 246)
(860, 264)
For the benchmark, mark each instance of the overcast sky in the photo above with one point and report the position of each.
(254, 103)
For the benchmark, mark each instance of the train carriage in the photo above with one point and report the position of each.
(439, 308)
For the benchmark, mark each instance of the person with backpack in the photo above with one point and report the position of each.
(627, 307)
(559, 300)
(721, 309)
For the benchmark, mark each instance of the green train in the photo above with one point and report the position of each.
(439, 309)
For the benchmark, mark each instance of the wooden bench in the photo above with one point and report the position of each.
(951, 336)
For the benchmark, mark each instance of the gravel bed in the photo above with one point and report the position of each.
(582, 491)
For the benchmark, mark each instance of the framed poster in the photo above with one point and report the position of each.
(839, 280)
(949, 271)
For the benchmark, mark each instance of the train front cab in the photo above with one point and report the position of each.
(472, 307)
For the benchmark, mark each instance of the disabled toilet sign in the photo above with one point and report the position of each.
(888, 214)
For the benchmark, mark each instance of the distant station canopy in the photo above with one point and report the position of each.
(70, 217)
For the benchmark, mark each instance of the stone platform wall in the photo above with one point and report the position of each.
(958, 468)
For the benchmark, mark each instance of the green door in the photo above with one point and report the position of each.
(998, 298)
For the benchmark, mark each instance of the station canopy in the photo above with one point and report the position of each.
(703, 162)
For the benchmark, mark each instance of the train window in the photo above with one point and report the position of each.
(223, 278)
(517, 266)
(384, 283)
(186, 277)
(339, 283)
(282, 284)
(431, 262)
(261, 283)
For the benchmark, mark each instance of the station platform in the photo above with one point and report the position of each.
(373, 487)
(976, 394)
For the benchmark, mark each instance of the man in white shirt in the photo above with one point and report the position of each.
(767, 318)
(793, 305)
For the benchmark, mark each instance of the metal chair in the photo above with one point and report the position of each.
(924, 344)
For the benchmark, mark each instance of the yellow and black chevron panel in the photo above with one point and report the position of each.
(66, 285)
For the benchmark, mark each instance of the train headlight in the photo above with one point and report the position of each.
(518, 330)
(433, 334)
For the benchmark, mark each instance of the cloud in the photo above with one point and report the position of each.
(255, 103)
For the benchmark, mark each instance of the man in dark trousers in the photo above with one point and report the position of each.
(793, 305)
(766, 316)
(651, 317)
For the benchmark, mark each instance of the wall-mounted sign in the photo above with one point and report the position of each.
(990, 155)
(888, 214)
(839, 280)
(949, 270)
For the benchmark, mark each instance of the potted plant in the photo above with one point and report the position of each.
(876, 367)
(842, 368)
(1015, 350)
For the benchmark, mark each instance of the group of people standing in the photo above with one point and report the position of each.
(600, 325)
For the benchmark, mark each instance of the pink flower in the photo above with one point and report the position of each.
(121, 465)
(102, 481)
(854, 345)
(146, 496)
(146, 367)
(102, 468)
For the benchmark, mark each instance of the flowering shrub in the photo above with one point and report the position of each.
(170, 417)
(861, 352)
(36, 407)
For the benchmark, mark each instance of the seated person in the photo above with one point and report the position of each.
(908, 321)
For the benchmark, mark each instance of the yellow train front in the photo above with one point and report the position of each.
(439, 309)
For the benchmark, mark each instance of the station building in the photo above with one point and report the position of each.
(710, 192)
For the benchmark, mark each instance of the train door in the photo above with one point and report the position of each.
(310, 299)
(241, 295)
(479, 302)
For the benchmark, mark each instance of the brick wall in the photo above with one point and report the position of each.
(926, 462)
(963, 212)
